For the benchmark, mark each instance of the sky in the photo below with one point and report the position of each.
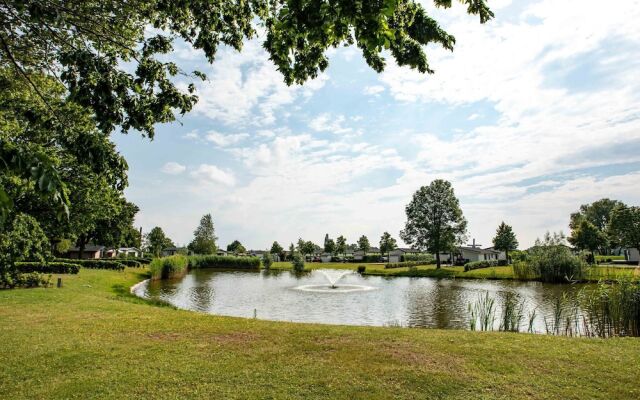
(532, 115)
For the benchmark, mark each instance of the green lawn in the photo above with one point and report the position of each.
(91, 339)
(594, 274)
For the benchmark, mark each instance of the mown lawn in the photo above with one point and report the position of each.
(91, 339)
(594, 274)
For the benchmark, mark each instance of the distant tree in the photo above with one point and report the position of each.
(387, 243)
(363, 244)
(306, 247)
(267, 260)
(297, 261)
(155, 241)
(341, 245)
(505, 240)
(330, 246)
(326, 239)
(204, 237)
(624, 226)
(292, 249)
(597, 213)
(276, 249)
(236, 247)
(587, 236)
(434, 219)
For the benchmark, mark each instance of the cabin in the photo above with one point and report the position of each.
(478, 254)
(90, 252)
(358, 255)
(632, 255)
(128, 252)
(398, 254)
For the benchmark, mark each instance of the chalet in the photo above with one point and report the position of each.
(89, 252)
(358, 255)
(170, 251)
(501, 256)
(128, 252)
(632, 255)
(398, 254)
(478, 254)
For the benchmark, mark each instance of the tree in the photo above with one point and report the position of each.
(276, 249)
(505, 240)
(341, 245)
(155, 241)
(267, 260)
(204, 237)
(597, 213)
(624, 226)
(306, 247)
(387, 243)
(330, 246)
(586, 236)
(434, 219)
(236, 247)
(363, 244)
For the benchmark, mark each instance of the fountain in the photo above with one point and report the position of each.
(333, 286)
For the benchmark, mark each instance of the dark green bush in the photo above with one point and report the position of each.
(169, 267)
(480, 264)
(128, 262)
(94, 263)
(423, 258)
(361, 269)
(33, 279)
(408, 264)
(297, 262)
(556, 263)
(267, 260)
(48, 268)
(214, 261)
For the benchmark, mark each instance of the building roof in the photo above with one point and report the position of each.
(478, 250)
(90, 247)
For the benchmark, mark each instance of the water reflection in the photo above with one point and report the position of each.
(414, 302)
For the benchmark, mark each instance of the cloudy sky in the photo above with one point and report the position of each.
(532, 115)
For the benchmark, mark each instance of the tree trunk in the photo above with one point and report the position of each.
(593, 257)
(83, 242)
(506, 255)
(437, 260)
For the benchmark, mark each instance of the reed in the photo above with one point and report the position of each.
(482, 313)
(613, 309)
(512, 313)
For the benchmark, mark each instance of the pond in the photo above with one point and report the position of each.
(356, 299)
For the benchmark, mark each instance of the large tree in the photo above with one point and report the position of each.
(598, 214)
(341, 245)
(155, 241)
(624, 226)
(329, 246)
(276, 248)
(505, 239)
(387, 243)
(363, 244)
(587, 236)
(434, 219)
(204, 237)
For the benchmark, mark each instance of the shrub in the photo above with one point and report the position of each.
(94, 264)
(48, 268)
(556, 263)
(612, 309)
(423, 258)
(297, 262)
(480, 264)
(267, 260)
(361, 269)
(522, 270)
(33, 279)
(214, 261)
(128, 262)
(408, 264)
(169, 267)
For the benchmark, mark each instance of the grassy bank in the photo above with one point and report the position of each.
(594, 273)
(91, 339)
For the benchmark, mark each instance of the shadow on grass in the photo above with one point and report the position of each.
(123, 293)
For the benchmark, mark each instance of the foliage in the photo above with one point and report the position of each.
(512, 313)
(214, 261)
(329, 246)
(387, 243)
(267, 260)
(94, 263)
(407, 264)
(597, 213)
(505, 240)
(482, 313)
(276, 249)
(361, 269)
(128, 262)
(552, 261)
(434, 219)
(624, 226)
(306, 247)
(363, 244)
(612, 309)
(169, 267)
(51, 267)
(297, 261)
(424, 258)
(470, 266)
(586, 236)
(341, 245)
(156, 241)
(24, 240)
(204, 240)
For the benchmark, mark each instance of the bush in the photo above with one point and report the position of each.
(169, 267)
(214, 261)
(425, 259)
(612, 309)
(297, 262)
(267, 260)
(94, 263)
(33, 279)
(48, 268)
(361, 269)
(480, 264)
(554, 263)
(128, 262)
(408, 264)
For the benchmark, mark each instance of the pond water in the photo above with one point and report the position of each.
(357, 300)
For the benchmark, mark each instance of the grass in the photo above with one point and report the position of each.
(594, 274)
(92, 339)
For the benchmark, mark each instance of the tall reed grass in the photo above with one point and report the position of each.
(169, 267)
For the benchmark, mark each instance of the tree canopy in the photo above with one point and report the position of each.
(276, 248)
(435, 222)
(363, 243)
(624, 225)
(155, 241)
(341, 245)
(587, 236)
(387, 243)
(204, 237)
(236, 247)
(598, 214)
(505, 239)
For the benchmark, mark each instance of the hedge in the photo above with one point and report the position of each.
(403, 264)
(95, 263)
(54, 267)
(169, 267)
(480, 264)
(214, 261)
(128, 262)
(423, 258)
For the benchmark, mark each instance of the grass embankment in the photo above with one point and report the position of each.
(91, 339)
(594, 274)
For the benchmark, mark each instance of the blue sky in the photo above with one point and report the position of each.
(532, 115)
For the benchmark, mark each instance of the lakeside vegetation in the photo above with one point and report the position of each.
(106, 342)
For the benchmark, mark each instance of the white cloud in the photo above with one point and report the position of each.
(173, 168)
(327, 123)
(373, 90)
(192, 135)
(213, 174)
(223, 140)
